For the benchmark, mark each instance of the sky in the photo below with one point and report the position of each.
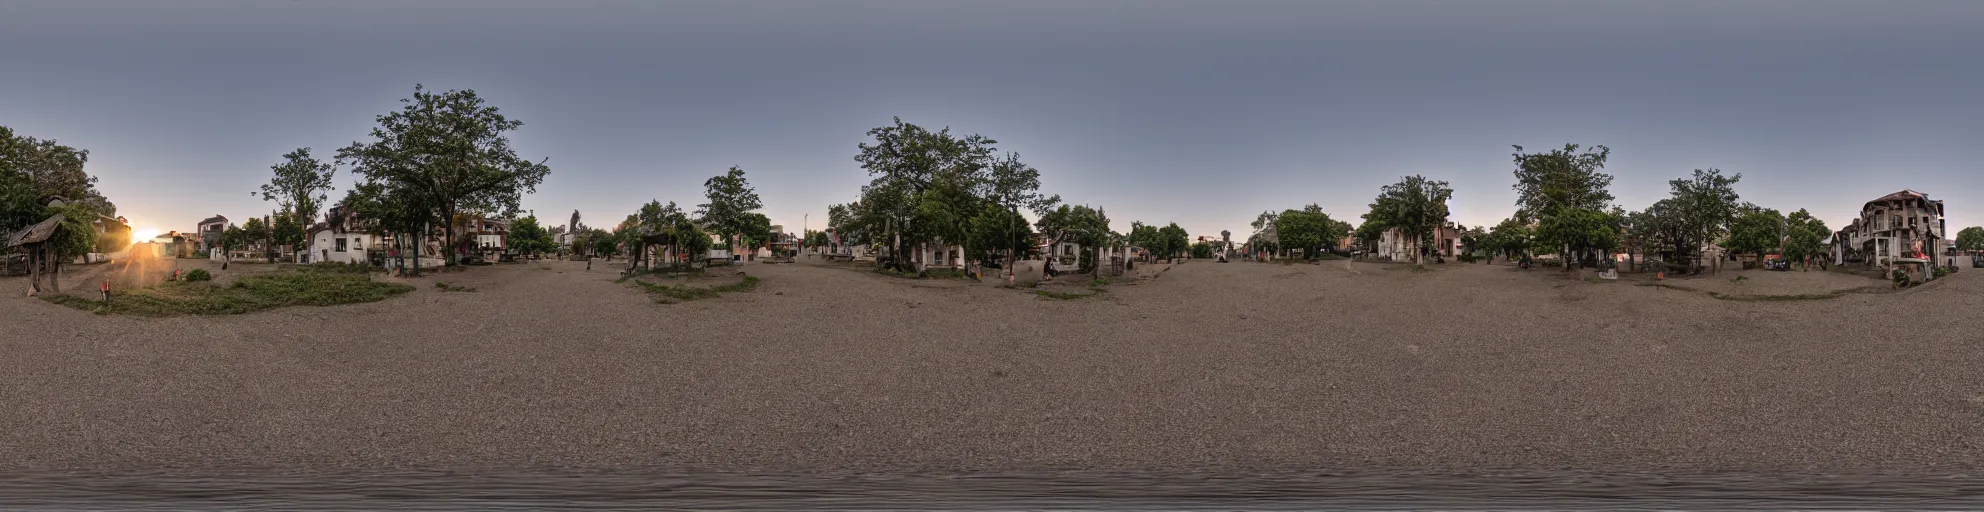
(1199, 113)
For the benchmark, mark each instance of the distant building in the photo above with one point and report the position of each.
(1896, 231)
(210, 231)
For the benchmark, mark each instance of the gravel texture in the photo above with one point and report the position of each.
(1237, 366)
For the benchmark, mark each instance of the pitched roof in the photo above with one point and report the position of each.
(37, 233)
(217, 218)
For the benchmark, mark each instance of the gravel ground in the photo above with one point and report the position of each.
(1238, 366)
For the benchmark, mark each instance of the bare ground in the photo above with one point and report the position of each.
(1237, 366)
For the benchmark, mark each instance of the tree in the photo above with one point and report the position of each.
(1513, 238)
(816, 238)
(1700, 210)
(1805, 238)
(445, 153)
(731, 201)
(234, 238)
(299, 185)
(1640, 231)
(604, 243)
(258, 234)
(1757, 230)
(1579, 232)
(1174, 238)
(526, 237)
(1013, 186)
(1308, 229)
(1085, 226)
(1415, 206)
(1563, 182)
(1265, 236)
(285, 231)
(575, 228)
(756, 230)
(1970, 239)
(908, 162)
(1475, 240)
(1202, 250)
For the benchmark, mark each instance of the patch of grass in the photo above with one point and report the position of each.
(1329, 257)
(197, 275)
(300, 286)
(1064, 295)
(946, 273)
(670, 294)
(452, 288)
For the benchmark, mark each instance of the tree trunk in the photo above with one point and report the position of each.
(34, 270)
(55, 273)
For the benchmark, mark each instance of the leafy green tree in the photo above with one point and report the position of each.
(1202, 250)
(1564, 182)
(284, 230)
(445, 153)
(757, 229)
(604, 243)
(1475, 240)
(1176, 241)
(816, 238)
(1513, 238)
(1002, 231)
(1699, 211)
(233, 238)
(300, 184)
(1970, 239)
(1088, 227)
(1415, 206)
(1012, 186)
(1265, 237)
(1757, 230)
(526, 237)
(1308, 229)
(908, 164)
(1805, 238)
(731, 202)
(258, 234)
(1583, 232)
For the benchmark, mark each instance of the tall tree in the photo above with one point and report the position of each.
(1970, 239)
(259, 235)
(300, 185)
(1088, 227)
(1415, 206)
(1563, 182)
(1308, 229)
(1702, 208)
(1513, 238)
(1805, 238)
(527, 237)
(286, 231)
(447, 152)
(1757, 230)
(731, 201)
(1014, 186)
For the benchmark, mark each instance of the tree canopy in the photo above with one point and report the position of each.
(33, 170)
(731, 202)
(937, 187)
(1415, 206)
(300, 185)
(1805, 236)
(1757, 230)
(441, 154)
(1308, 229)
(527, 237)
(1970, 239)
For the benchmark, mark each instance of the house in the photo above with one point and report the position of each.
(1393, 245)
(210, 231)
(1066, 254)
(343, 237)
(1903, 230)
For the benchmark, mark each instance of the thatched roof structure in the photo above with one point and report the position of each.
(37, 233)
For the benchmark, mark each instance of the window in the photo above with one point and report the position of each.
(340, 242)
(357, 244)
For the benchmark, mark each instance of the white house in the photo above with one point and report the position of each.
(329, 245)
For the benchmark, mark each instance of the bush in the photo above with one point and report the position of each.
(199, 274)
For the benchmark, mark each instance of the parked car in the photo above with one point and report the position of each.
(1777, 265)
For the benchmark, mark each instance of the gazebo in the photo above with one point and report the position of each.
(34, 240)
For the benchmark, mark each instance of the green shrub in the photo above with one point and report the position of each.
(199, 274)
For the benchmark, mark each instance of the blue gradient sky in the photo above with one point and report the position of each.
(1202, 113)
